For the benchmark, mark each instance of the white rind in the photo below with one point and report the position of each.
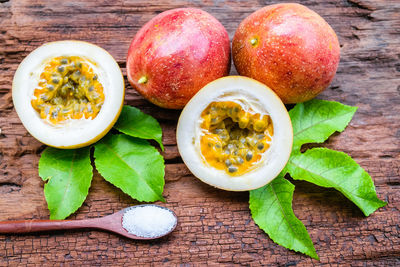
(278, 153)
(75, 133)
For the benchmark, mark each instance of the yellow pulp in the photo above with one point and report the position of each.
(68, 89)
(233, 139)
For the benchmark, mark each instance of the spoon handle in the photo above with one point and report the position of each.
(29, 226)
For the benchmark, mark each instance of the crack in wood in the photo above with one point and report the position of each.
(10, 184)
(6, 188)
(360, 5)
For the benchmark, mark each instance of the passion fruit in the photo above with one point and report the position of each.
(288, 47)
(177, 53)
(235, 134)
(68, 94)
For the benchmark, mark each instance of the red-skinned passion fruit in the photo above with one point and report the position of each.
(68, 94)
(288, 47)
(175, 54)
(235, 134)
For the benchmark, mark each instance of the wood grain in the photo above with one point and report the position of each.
(215, 226)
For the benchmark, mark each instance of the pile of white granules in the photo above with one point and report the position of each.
(148, 221)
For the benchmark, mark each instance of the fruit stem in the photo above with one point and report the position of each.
(142, 80)
(254, 41)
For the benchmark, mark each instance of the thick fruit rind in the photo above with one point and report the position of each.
(245, 88)
(82, 132)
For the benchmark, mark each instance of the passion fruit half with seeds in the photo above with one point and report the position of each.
(68, 94)
(235, 134)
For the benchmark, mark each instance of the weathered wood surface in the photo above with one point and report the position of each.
(215, 226)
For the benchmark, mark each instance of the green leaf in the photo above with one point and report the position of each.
(131, 164)
(68, 174)
(329, 168)
(135, 123)
(314, 121)
(271, 209)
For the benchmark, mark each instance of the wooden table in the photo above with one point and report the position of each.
(215, 226)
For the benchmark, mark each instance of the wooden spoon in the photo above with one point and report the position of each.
(111, 223)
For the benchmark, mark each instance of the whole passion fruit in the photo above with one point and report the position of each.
(235, 134)
(68, 94)
(175, 54)
(288, 47)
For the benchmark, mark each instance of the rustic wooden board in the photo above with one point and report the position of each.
(215, 226)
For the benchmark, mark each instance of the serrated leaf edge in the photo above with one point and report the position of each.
(313, 255)
(160, 197)
(158, 140)
(54, 213)
(345, 193)
(352, 110)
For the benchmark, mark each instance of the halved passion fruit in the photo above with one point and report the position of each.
(68, 94)
(235, 134)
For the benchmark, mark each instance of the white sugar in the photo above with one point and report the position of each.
(148, 221)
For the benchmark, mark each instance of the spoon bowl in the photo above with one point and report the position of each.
(110, 223)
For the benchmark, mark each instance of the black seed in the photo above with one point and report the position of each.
(250, 141)
(95, 77)
(239, 160)
(54, 114)
(260, 146)
(60, 69)
(56, 81)
(228, 163)
(50, 87)
(260, 136)
(210, 144)
(249, 156)
(91, 88)
(242, 140)
(79, 64)
(44, 97)
(232, 169)
(64, 61)
(218, 146)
